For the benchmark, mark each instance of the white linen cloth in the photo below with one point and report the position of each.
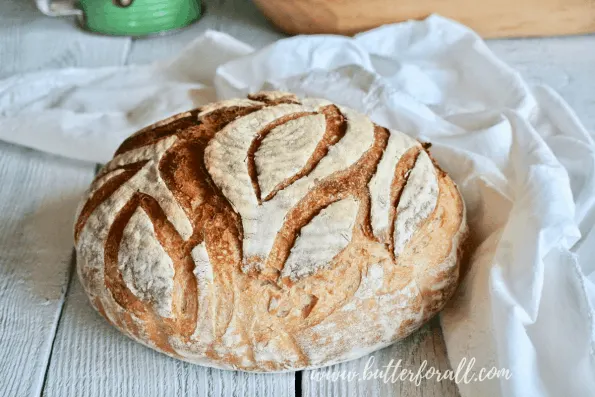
(520, 156)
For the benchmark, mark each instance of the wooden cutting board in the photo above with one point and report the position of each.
(490, 18)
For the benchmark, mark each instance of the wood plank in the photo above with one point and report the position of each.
(427, 344)
(38, 200)
(91, 359)
(568, 69)
(37, 204)
(243, 20)
(30, 41)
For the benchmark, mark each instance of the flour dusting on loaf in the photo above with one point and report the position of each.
(286, 149)
(144, 264)
(321, 239)
(269, 234)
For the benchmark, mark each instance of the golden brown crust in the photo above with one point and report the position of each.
(243, 313)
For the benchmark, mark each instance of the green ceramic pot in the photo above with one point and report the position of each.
(138, 17)
(128, 17)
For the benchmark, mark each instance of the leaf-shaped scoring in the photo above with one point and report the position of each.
(381, 182)
(321, 239)
(286, 150)
(145, 266)
(144, 178)
(417, 202)
(227, 162)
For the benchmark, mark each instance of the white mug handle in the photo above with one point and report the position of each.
(58, 8)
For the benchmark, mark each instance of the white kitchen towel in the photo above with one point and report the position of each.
(520, 156)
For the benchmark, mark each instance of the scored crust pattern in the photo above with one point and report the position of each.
(269, 234)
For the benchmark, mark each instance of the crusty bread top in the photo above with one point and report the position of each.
(269, 233)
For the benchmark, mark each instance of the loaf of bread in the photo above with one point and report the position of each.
(269, 234)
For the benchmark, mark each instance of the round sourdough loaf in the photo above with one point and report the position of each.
(269, 234)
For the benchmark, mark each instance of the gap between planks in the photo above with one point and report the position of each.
(71, 272)
(56, 324)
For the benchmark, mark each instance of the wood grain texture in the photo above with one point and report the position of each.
(427, 344)
(239, 18)
(30, 41)
(91, 358)
(37, 205)
(564, 63)
(491, 18)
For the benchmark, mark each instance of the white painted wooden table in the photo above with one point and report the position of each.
(52, 343)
